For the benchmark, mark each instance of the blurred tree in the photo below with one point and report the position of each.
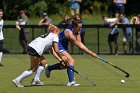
(60, 7)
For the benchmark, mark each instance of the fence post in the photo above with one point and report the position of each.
(33, 33)
(98, 41)
(132, 41)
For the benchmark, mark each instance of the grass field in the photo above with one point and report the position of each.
(107, 78)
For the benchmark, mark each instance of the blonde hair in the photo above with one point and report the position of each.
(50, 26)
(134, 20)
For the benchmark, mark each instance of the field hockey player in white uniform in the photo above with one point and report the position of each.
(36, 49)
(1, 36)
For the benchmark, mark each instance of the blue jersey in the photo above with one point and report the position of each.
(63, 41)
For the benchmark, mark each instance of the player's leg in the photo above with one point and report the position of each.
(33, 68)
(125, 44)
(1, 51)
(116, 42)
(129, 38)
(43, 63)
(70, 72)
(110, 43)
(122, 9)
(77, 11)
(72, 12)
(23, 41)
(116, 11)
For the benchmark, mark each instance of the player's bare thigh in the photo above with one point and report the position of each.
(34, 62)
(70, 60)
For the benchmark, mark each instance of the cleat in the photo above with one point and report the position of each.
(47, 72)
(73, 83)
(37, 83)
(17, 83)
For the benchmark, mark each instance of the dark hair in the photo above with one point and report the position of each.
(1, 10)
(75, 23)
(22, 11)
(104, 16)
(77, 15)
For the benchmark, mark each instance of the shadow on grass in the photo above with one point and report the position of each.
(45, 85)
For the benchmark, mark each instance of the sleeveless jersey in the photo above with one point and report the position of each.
(63, 41)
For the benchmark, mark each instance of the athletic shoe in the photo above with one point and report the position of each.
(37, 83)
(73, 83)
(17, 83)
(47, 72)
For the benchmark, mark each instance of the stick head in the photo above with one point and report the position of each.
(93, 83)
(127, 75)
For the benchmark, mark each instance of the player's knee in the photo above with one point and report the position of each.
(63, 65)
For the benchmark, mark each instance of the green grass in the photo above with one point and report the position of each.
(106, 77)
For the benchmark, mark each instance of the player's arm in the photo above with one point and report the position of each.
(45, 23)
(80, 45)
(41, 23)
(17, 25)
(56, 53)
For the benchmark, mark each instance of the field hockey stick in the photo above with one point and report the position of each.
(127, 74)
(92, 82)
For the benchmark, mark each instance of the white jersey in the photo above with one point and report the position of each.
(110, 20)
(44, 42)
(1, 27)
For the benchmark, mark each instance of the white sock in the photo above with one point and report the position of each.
(46, 65)
(24, 75)
(38, 73)
(1, 56)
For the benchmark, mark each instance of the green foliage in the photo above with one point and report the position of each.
(61, 7)
(96, 6)
(37, 9)
(99, 7)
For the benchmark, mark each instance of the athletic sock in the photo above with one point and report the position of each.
(54, 67)
(46, 65)
(24, 75)
(38, 73)
(1, 56)
(70, 73)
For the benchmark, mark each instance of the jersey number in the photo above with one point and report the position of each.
(44, 35)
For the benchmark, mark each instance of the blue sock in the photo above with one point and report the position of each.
(70, 73)
(54, 67)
